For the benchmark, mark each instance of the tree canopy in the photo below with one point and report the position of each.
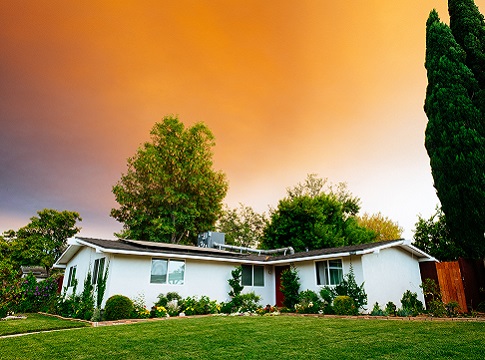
(433, 236)
(42, 241)
(455, 134)
(242, 226)
(170, 192)
(315, 216)
(384, 228)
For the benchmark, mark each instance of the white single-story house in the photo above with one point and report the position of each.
(145, 268)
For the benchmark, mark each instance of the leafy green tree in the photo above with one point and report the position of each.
(242, 226)
(455, 136)
(170, 192)
(315, 220)
(384, 228)
(433, 236)
(42, 241)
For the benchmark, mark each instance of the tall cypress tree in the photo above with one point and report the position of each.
(454, 135)
(468, 27)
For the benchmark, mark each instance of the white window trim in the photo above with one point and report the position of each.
(328, 269)
(70, 278)
(168, 260)
(253, 275)
(97, 274)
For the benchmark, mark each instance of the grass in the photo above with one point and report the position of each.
(283, 337)
(36, 322)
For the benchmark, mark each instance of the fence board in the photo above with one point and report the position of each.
(451, 283)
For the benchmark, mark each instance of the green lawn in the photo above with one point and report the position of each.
(36, 322)
(283, 337)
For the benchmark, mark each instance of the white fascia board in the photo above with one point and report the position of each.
(180, 256)
(418, 251)
(85, 243)
(405, 245)
(66, 256)
(312, 258)
(381, 247)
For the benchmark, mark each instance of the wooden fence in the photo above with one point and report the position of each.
(462, 281)
(451, 283)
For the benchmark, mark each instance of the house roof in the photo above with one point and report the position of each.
(149, 248)
(38, 271)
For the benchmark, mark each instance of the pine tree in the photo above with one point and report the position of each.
(454, 135)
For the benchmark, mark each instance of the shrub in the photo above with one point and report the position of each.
(158, 311)
(37, 296)
(410, 302)
(390, 308)
(452, 308)
(239, 302)
(431, 291)
(199, 306)
(68, 305)
(235, 282)
(10, 288)
(163, 299)
(377, 311)
(436, 308)
(118, 307)
(327, 298)
(249, 302)
(290, 286)
(404, 312)
(348, 287)
(140, 310)
(344, 305)
(309, 303)
(86, 306)
(173, 308)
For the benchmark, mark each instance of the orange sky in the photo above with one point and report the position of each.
(287, 87)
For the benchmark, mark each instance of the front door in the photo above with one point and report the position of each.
(280, 298)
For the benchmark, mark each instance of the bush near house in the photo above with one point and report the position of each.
(118, 307)
(344, 305)
(309, 303)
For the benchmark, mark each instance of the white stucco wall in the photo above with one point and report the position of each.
(388, 274)
(84, 262)
(130, 276)
(308, 277)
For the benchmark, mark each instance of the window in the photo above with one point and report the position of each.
(72, 276)
(98, 270)
(329, 272)
(166, 271)
(252, 275)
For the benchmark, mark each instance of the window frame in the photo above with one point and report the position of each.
(169, 278)
(72, 276)
(98, 269)
(253, 275)
(327, 267)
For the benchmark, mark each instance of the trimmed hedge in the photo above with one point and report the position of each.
(118, 307)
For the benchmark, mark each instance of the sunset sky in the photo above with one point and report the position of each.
(287, 87)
